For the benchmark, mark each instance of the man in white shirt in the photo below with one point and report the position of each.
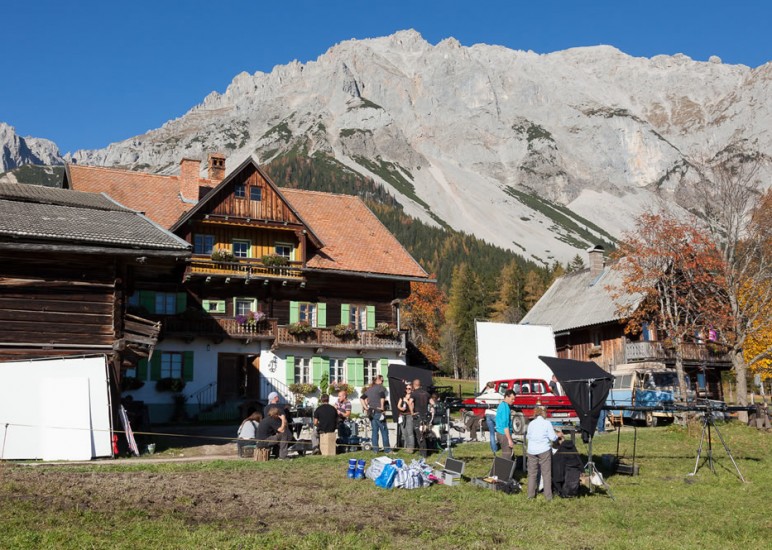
(490, 396)
(540, 437)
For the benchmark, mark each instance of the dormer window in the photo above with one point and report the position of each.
(240, 191)
(255, 193)
(284, 250)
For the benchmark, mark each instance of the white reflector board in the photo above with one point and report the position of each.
(55, 409)
(506, 351)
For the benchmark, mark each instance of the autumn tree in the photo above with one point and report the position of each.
(736, 213)
(509, 306)
(467, 301)
(423, 317)
(534, 288)
(677, 272)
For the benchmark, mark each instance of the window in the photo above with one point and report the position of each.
(171, 365)
(165, 303)
(214, 306)
(241, 249)
(337, 370)
(255, 194)
(242, 306)
(240, 191)
(283, 249)
(371, 371)
(307, 313)
(203, 244)
(358, 316)
(302, 370)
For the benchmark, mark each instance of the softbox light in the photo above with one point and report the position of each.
(586, 385)
(399, 376)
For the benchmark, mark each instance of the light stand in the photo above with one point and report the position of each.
(707, 423)
(590, 467)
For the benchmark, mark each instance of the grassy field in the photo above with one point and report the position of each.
(468, 388)
(309, 503)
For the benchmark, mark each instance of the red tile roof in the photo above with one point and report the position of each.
(355, 240)
(158, 197)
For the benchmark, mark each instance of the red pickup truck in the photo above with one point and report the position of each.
(528, 392)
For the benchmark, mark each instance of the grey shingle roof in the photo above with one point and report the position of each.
(580, 299)
(64, 197)
(35, 213)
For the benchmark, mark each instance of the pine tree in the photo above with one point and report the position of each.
(467, 302)
(510, 305)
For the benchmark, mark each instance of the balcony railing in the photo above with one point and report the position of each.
(323, 337)
(219, 327)
(245, 268)
(693, 353)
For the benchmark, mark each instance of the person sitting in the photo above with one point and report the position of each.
(326, 422)
(270, 432)
(247, 432)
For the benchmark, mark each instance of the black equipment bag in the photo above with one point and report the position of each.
(566, 469)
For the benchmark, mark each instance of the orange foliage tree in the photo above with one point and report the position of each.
(676, 271)
(423, 316)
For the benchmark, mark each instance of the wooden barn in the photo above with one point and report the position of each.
(588, 327)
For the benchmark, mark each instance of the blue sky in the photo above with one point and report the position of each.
(88, 73)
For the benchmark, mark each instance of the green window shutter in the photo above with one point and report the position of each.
(187, 366)
(142, 369)
(294, 312)
(155, 366)
(147, 300)
(356, 371)
(345, 314)
(321, 315)
(220, 306)
(385, 371)
(289, 374)
(370, 317)
(182, 302)
(317, 368)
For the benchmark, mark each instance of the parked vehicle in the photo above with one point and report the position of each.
(645, 387)
(529, 392)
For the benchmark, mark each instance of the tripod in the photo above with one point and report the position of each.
(707, 424)
(590, 468)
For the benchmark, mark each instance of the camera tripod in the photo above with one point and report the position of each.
(707, 424)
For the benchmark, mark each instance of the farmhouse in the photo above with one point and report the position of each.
(588, 327)
(67, 262)
(284, 287)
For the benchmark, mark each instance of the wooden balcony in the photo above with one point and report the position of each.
(218, 328)
(247, 268)
(324, 338)
(694, 354)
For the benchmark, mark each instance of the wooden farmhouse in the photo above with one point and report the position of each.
(68, 261)
(588, 327)
(284, 287)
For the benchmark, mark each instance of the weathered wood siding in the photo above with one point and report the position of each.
(270, 207)
(55, 306)
(262, 240)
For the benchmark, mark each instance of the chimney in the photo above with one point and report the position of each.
(189, 178)
(597, 263)
(216, 166)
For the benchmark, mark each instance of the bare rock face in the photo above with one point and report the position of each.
(542, 154)
(16, 150)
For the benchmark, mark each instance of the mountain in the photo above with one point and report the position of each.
(541, 154)
(16, 151)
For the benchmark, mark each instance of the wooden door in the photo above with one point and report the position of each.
(253, 376)
(230, 376)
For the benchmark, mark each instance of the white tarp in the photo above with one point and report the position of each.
(506, 351)
(55, 409)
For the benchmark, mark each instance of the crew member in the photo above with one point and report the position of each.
(540, 437)
(285, 436)
(343, 406)
(406, 409)
(374, 405)
(504, 425)
(325, 422)
(423, 405)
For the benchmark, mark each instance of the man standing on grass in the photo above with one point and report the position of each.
(325, 422)
(422, 423)
(343, 406)
(504, 425)
(374, 405)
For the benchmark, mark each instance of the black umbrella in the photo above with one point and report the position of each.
(586, 386)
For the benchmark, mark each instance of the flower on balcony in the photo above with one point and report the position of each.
(337, 386)
(222, 255)
(274, 260)
(301, 328)
(251, 319)
(385, 330)
(175, 385)
(344, 331)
